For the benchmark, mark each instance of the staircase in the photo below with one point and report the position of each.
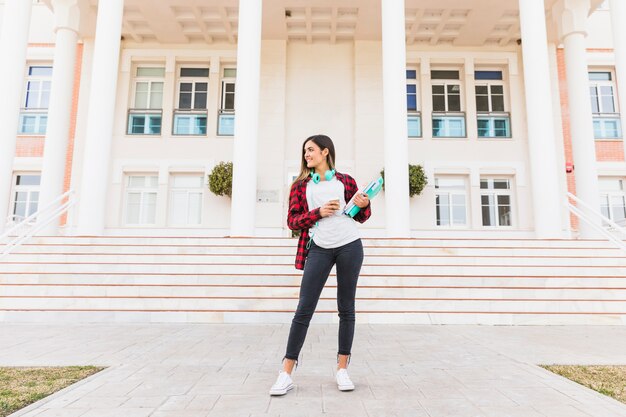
(253, 280)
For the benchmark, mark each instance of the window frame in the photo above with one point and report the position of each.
(222, 111)
(495, 193)
(602, 118)
(193, 80)
(144, 190)
(450, 193)
(188, 190)
(417, 113)
(29, 189)
(38, 113)
(609, 194)
(148, 113)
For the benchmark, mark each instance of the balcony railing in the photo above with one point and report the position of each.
(144, 121)
(226, 123)
(190, 122)
(33, 122)
(494, 125)
(414, 121)
(607, 126)
(449, 125)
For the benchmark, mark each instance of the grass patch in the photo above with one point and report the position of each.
(607, 380)
(20, 387)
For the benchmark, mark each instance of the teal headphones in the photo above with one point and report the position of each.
(328, 175)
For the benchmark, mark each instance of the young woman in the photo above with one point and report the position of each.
(316, 200)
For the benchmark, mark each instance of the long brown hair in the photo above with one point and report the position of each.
(324, 142)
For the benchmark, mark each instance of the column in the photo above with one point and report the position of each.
(13, 44)
(571, 20)
(243, 203)
(547, 200)
(100, 118)
(66, 15)
(426, 98)
(471, 114)
(618, 17)
(396, 144)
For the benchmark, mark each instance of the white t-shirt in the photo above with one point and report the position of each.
(333, 231)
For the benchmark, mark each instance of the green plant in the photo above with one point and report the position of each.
(221, 179)
(417, 179)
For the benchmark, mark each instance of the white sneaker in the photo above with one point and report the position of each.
(283, 384)
(343, 380)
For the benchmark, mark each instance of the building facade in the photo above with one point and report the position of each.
(507, 105)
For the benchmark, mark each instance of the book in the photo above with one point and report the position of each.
(372, 189)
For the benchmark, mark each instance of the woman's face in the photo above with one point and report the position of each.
(313, 154)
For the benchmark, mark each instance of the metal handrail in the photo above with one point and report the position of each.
(587, 219)
(23, 235)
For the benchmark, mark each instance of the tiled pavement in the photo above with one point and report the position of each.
(165, 370)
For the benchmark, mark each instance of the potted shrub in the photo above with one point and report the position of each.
(221, 179)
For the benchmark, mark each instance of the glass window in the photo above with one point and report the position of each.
(488, 75)
(444, 75)
(228, 95)
(489, 98)
(158, 72)
(141, 198)
(446, 97)
(450, 201)
(186, 199)
(496, 202)
(193, 88)
(613, 199)
(602, 93)
(149, 88)
(25, 196)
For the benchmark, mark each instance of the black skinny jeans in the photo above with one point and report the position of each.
(319, 262)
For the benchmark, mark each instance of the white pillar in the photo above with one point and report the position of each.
(618, 18)
(243, 204)
(66, 14)
(100, 118)
(541, 134)
(571, 18)
(13, 44)
(395, 119)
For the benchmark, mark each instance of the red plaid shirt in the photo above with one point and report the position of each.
(300, 218)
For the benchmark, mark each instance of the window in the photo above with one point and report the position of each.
(190, 118)
(606, 117)
(448, 119)
(226, 117)
(496, 203)
(186, 199)
(493, 120)
(146, 111)
(25, 196)
(34, 114)
(412, 105)
(141, 196)
(450, 201)
(613, 200)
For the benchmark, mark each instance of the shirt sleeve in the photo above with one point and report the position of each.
(351, 189)
(298, 217)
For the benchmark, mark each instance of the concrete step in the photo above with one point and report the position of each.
(477, 281)
(281, 269)
(292, 242)
(292, 292)
(181, 279)
(268, 259)
(287, 305)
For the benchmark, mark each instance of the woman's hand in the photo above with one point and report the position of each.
(329, 208)
(361, 200)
